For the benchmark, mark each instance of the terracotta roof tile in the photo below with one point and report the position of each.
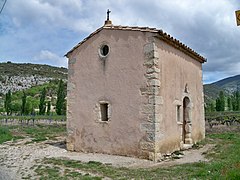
(159, 33)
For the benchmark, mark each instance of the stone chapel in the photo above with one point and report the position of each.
(134, 91)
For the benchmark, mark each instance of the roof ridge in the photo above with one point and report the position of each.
(160, 33)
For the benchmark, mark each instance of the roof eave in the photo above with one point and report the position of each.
(180, 46)
(84, 40)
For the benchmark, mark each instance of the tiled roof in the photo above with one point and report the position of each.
(159, 33)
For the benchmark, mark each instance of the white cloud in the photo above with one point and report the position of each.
(209, 27)
(47, 57)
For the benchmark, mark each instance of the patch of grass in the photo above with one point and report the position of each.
(225, 164)
(47, 172)
(38, 132)
(54, 172)
(44, 132)
(6, 135)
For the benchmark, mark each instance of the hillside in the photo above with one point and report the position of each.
(228, 85)
(211, 92)
(19, 76)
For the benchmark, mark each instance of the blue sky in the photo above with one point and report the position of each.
(42, 31)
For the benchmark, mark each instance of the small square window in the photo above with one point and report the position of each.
(104, 111)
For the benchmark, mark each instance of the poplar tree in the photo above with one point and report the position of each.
(42, 104)
(220, 102)
(60, 98)
(237, 100)
(24, 99)
(8, 102)
(229, 102)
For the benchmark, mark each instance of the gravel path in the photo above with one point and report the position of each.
(18, 158)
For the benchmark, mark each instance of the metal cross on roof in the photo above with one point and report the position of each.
(108, 12)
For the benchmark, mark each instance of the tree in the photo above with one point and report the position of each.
(24, 99)
(235, 101)
(60, 99)
(16, 106)
(218, 105)
(229, 102)
(8, 102)
(212, 106)
(220, 102)
(42, 104)
(48, 108)
(28, 107)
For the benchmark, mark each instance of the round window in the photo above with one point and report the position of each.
(104, 50)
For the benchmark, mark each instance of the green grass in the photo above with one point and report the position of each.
(6, 135)
(44, 132)
(38, 132)
(224, 164)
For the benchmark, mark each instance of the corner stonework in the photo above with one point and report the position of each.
(151, 110)
(70, 140)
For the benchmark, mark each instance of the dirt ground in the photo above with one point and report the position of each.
(17, 158)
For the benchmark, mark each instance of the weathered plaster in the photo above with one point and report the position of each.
(143, 79)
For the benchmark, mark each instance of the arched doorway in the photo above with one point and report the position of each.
(186, 131)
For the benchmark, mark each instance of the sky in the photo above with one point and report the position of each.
(43, 31)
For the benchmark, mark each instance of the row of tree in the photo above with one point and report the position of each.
(44, 105)
(225, 103)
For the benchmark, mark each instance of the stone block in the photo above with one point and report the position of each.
(188, 128)
(149, 127)
(151, 62)
(154, 82)
(150, 90)
(147, 109)
(156, 157)
(158, 118)
(157, 109)
(150, 137)
(155, 99)
(149, 47)
(152, 75)
(151, 118)
(153, 69)
(158, 100)
(188, 135)
(188, 141)
(158, 136)
(157, 126)
(147, 146)
(154, 90)
(70, 143)
(152, 54)
(151, 156)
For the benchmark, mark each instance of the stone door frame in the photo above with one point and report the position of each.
(187, 121)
